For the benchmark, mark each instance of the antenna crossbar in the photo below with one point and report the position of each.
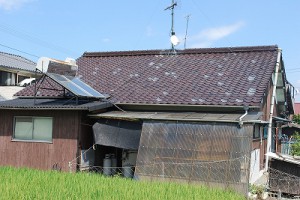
(171, 7)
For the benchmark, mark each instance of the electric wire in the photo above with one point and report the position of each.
(211, 22)
(29, 37)
(24, 52)
(10, 56)
(149, 22)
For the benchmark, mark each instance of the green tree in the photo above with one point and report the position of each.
(296, 118)
(296, 145)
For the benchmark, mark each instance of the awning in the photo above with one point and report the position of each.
(281, 119)
(252, 117)
(116, 133)
(283, 157)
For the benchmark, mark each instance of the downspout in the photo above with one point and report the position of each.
(241, 117)
(269, 140)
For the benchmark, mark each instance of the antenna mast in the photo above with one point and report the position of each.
(186, 30)
(171, 7)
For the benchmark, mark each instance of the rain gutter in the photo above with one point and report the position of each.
(269, 140)
(182, 107)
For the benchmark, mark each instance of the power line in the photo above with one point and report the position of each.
(25, 36)
(196, 4)
(137, 43)
(30, 54)
(10, 56)
(293, 71)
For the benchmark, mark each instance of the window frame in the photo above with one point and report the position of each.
(32, 131)
(258, 131)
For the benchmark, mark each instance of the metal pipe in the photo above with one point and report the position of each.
(269, 140)
(241, 117)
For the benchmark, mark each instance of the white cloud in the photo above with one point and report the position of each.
(206, 37)
(12, 4)
(149, 31)
(105, 40)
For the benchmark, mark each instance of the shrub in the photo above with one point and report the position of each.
(295, 147)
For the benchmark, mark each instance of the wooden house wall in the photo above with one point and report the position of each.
(40, 155)
(266, 108)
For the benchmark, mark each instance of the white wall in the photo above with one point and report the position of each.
(255, 172)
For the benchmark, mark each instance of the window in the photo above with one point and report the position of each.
(33, 129)
(258, 131)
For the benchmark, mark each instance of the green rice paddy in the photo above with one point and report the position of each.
(35, 184)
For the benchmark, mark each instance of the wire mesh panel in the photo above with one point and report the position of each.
(211, 153)
(284, 177)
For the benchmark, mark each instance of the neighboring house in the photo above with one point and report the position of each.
(200, 115)
(286, 138)
(287, 131)
(8, 92)
(297, 108)
(14, 68)
(2, 98)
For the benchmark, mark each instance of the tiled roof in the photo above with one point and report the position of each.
(16, 62)
(214, 76)
(54, 104)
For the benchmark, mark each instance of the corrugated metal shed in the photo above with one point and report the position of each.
(183, 116)
(214, 154)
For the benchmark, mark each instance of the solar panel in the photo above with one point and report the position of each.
(75, 85)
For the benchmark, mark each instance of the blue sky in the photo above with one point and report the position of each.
(67, 28)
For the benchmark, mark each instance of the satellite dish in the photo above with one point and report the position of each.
(174, 40)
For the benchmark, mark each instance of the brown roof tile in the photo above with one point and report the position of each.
(213, 76)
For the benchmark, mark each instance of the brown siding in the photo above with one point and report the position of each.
(266, 113)
(38, 154)
(266, 103)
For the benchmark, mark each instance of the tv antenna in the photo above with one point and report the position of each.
(174, 39)
(186, 30)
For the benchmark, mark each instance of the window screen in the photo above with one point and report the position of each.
(257, 131)
(23, 128)
(33, 128)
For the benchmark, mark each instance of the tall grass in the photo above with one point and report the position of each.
(34, 184)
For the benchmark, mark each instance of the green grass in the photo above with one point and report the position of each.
(34, 184)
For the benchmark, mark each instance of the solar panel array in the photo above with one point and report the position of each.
(75, 86)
